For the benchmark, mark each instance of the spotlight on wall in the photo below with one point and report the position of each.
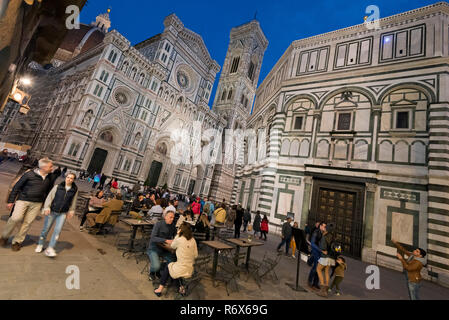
(25, 81)
(19, 96)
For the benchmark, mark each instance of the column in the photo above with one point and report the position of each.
(376, 112)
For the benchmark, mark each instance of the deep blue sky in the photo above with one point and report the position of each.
(282, 21)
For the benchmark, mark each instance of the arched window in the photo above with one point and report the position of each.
(235, 65)
(133, 73)
(223, 96)
(179, 104)
(137, 139)
(87, 118)
(230, 95)
(141, 78)
(125, 67)
(160, 92)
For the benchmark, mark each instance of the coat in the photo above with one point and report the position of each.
(186, 253)
(60, 200)
(31, 187)
(220, 215)
(105, 215)
(256, 224)
(196, 208)
(230, 218)
(264, 225)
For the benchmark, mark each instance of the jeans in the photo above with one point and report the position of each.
(245, 224)
(413, 290)
(237, 230)
(313, 275)
(285, 241)
(155, 253)
(53, 217)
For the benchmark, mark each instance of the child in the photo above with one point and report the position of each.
(293, 242)
(339, 274)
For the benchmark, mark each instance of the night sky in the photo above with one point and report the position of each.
(282, 21)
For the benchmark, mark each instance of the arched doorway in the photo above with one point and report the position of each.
(153, 175)
(97, 161)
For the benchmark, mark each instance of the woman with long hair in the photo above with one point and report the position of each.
(186, 253)
(95, 206)
(203, 225)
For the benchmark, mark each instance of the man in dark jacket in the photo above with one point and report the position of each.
(246, 219)
(102, 181)
(238, 221)
(286, 235)
(30, 191)
(316, 255)
(163, 234)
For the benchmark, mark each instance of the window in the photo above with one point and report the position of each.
(344, 121)
(167, 47)
(402, 120)
(98, 90)
(133, 73)
(112, 56)
(235, 65)
(230, 94)
(154, 85)
(72, 146)
(127, 165)
(104, 76)
(164, 58)
(298, 123)
(144, 115)
(251, 70)
(223, 96)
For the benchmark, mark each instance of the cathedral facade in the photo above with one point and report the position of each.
(358, 120)
(114, 106)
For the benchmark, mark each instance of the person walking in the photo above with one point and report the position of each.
(220, 214)
(238, 221)
(412, 268)
(339, 275)
(208, 208)
(293, 242)
(246, 219)
(230, 218)
(97, 178)
(315, 256)
(286, 235)
(256, 224)
(30, 192)
(196, 208)
(102, 181)
(59, 205)
(264, 228)
(323, 264)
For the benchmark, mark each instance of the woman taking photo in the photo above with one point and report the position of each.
(186, 253)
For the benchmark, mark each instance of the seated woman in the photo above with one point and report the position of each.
(187, 215)
(157, 210)
(186, 253)
(95, 206)
(203, 225)
(138, 203)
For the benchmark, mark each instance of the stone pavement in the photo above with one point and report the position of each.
(105, 274)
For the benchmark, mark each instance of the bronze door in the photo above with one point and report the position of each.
(343, 214)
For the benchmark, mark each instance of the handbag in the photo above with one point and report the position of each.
(250, 227)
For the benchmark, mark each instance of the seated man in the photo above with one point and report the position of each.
(163, 233)
(150, 200)
(97, 221)
(138, 203)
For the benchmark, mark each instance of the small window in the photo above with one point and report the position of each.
(402, 120)
(344, 121)
(251, 70)
(167, 47)
(235, 65)
(164, 58)
(298, 123)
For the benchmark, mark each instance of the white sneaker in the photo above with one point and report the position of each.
(39, 248)
(50, 252)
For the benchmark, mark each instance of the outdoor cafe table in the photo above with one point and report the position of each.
(217, 246)
(135, 224)
(217, 228)
(244, 244)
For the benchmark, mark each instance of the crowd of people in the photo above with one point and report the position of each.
(172, 238)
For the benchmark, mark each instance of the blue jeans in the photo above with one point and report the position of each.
(413, 290)
(313, 275)
(53, 217)
(287, 244)
(155, 253)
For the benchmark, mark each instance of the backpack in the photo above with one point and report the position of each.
(206, 208)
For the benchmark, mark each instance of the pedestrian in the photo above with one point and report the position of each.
(114, 185)
(102, 181)
(59, 205)
(30, 191)
(208, 208)
(4, 155)
(97, 178)
(412, 268)
(256, 224)
(339, 275)
(246, 219)
(238, 221)
(264, 228)
(220, 214)
(286, 235)
(323, 264)
(196, 208)
(293, 242)
(230, 218)
(315, 256)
